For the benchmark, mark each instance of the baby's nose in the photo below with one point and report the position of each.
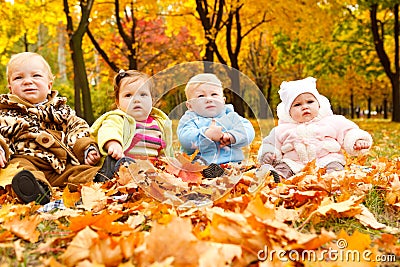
(135, 99)
(27, 80)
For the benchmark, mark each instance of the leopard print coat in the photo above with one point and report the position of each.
(50, 131)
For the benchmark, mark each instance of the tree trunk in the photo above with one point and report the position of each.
(369, 107)
(81, 85)
(237, 100)
(208, 58)
(396, 100)
(211, 26)
(352, 104)
(385, 111)
(377, 32)
(61, 57)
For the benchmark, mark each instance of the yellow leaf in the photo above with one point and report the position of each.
(348, 206)
(259, 209)
(79, 248)
(19, 250)
(357, 242)
(174, 239)
(93, 198)
(106, 251)
(8, 173)
(24, 228)
(70, 198)
(367, 219)
(129, 243)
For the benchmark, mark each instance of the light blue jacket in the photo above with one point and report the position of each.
(191, 130)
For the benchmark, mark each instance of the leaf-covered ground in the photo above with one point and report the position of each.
(347, 218)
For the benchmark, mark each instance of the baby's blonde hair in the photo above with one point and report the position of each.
(23, 57)
(202, 78)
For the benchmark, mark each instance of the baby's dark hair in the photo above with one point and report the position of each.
(131, 76)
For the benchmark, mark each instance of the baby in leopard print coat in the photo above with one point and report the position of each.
(41, 133)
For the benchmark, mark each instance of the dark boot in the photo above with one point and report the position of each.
(124, 161)
(213, 170)
(28, 189)
(277, 177)
(107, 170)
(272, 171)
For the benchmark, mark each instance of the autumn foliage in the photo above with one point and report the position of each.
(123, 222)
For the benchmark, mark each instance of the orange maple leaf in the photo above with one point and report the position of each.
(70, 198)
(24, 228)
(8, 173)
(106, 250)
(102, 221)
(191, 177)
(357, 242)
(79, 248)
(182, 166)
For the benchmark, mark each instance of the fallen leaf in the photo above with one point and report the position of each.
(93, 197)
(8, 173)
(129, 243)
(172, 240)
(183, 168)
(366, 218)
(6, 236)
(217, 254)
(18, 250)
(261, 210)
(70, 198)
(359, 243)
(349, 207)
(79, 248)
(24, 228)
(284, 215)
(106, 250)
(124, 176)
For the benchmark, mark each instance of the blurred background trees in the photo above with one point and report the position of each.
(351, 47)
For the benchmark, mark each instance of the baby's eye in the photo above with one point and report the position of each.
(200, 96)
(128, 95)
(143, 94)
(214, 94)
(310, 101)
(37, 75)
(296, 105)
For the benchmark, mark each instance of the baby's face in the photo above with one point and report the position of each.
(30, 81)
(304, 108)
(135, 100)
(207, 100)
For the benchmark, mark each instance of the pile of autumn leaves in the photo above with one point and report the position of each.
(118, 224)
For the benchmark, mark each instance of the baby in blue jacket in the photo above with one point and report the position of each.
(211, 126)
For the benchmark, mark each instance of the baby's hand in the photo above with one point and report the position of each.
(3, 160)
(227, 139)
(268, 158)
(214, 132)
(114, 149)
(92, 158)
(361, 144)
